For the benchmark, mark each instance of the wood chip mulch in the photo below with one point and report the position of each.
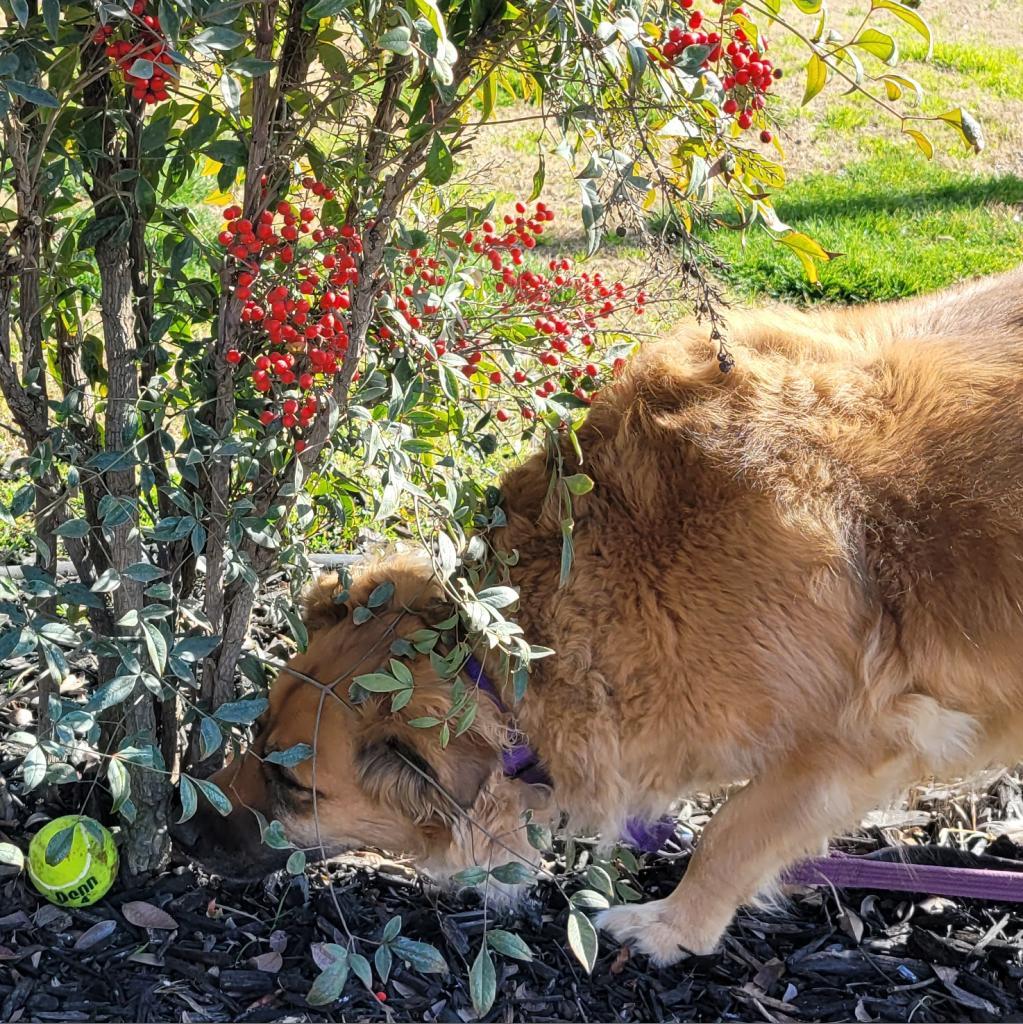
(243, 953)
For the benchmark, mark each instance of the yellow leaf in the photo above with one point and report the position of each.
(218, 198)
(808, 251)
(921, 140)
(210, 168)
(967, 125)
(816, 78)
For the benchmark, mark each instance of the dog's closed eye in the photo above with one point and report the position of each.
(284, 778)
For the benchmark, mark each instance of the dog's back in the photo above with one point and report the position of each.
(847, 504)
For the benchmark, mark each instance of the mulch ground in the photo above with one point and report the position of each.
(244, 953)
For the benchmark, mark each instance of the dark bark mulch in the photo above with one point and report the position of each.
(243, 953)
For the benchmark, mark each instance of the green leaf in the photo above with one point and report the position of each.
(195, 648)
(143, 572)
(217, 38)
(967, 125)
(215, 795)
(419, 955)
(189, 800)
(156, 646)
(241, 712)
(289, 758)
(513, 873)
(587, 899)
(73, 528)
(114, 692)
(40, 97)
(33, 768)
(397, 40)
(59, 845)
(120, 782)
(470, 876)
(326, 9)
(380, 595)
(210, 737)
(361, 968)
(808, 6)
(108, 580)
(379, 682)
(20, 8)
(567, 551)
(231, 91)
(51, 17)
(483, 982)
(816, 78)
(910, 17)
(878, 43)
(498, 597)
(582, 939)
(252, 67)
(539, 836)
(327, 988)
(22, 500)
(508, 944)
(296, 863)
(579, 483)
(383, 960)
(439, 164)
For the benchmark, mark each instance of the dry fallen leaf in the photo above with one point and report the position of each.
(95, 935)
(145, 915)
(619, 962)
(269, 962)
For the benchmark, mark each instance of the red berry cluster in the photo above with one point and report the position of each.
(293, 278)
(748, 74)
(563, 308)
(148, 44)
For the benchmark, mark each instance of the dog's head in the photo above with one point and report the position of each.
(374, 780)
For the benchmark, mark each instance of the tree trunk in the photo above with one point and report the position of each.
(147, 845)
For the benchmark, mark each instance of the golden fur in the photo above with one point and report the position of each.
(806, 573)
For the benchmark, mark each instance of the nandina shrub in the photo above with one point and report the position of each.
(175, 385)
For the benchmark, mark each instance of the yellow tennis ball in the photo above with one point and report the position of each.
(86, 861)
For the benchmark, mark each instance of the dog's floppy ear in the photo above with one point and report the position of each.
(392, 771)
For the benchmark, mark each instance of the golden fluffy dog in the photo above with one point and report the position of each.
(806, 573)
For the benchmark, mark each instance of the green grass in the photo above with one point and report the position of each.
(903, 226)
(995, 69)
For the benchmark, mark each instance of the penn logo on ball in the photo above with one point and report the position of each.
(72, 861)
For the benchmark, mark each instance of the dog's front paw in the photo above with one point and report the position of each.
(656, 930)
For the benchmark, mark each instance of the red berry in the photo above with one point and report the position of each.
(234, 357)
(766, 136)
(381, 997)
(300, 446)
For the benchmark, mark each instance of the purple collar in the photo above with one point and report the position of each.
(522, 762)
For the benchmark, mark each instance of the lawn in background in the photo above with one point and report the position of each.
(903, 225)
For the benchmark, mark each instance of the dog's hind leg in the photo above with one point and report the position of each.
(776, 819)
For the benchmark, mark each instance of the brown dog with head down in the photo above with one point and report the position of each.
(806, 573)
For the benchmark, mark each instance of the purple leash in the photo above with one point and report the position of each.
(841, 870)
(848, 872)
